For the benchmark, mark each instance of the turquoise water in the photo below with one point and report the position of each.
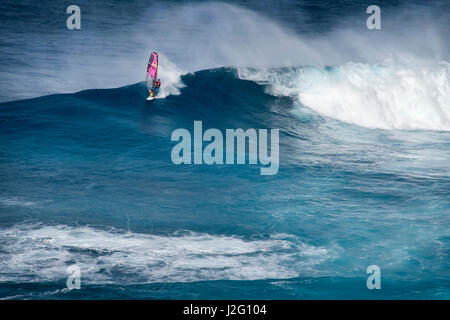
(87, 179)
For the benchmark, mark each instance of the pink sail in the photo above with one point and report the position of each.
(152, 67)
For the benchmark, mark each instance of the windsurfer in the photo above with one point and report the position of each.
(156, 87)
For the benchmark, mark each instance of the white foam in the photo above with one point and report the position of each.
(394, 95)
(14, 201)
(42, 253)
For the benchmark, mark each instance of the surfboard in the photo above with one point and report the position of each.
(152, 73)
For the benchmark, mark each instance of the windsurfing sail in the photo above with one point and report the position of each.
(152, 72)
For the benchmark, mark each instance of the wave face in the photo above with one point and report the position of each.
(86, 178)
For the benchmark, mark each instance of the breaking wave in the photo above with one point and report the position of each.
(392, 95)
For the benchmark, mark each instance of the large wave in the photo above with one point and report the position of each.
(360, 87)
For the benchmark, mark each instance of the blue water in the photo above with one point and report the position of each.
(86, 178)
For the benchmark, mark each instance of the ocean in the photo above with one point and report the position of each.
(87, 178)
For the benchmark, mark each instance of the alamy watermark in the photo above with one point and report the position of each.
(374, 20)
(213, 153)
(74, 279)
(374, 280)
(74, 20)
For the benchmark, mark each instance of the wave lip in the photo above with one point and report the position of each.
(43, 253)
